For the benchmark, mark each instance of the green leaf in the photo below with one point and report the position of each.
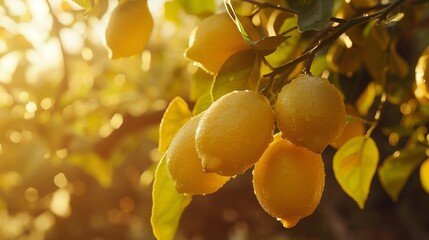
(201, 84)
(424, 175)
(88, 4)
(202, 104)
(176, 114)
(239, 72)
(264, 45)
(198, 7)
(354, 167)
(168, 204)
(315, 14)
(397, 168)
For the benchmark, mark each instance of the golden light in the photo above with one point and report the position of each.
(116, 121)
(15, 137)
(146, 58)
(31, 194)
(60, 180)
(87, 54)
(44, 221)
(46, 103)
(62, 153)
(146, 178)
(346, 40)
(8, 65)
(60, 203)
(31, 107)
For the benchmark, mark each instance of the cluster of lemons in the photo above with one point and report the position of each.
(237, 132)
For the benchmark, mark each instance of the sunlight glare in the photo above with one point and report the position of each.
(146, 58)
(46, 103)
(31, 194)
(8, 65)
(62, 153)
(346, 40)
(87, 54)
(146, 178)
(16, 7)
(15, 137)
(5, 99)
(60, 203)
(60, 180)
(31, 107)
(44, 221)
(116, 121)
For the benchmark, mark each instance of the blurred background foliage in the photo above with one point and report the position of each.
(79, 136)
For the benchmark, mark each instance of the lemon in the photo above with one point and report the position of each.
(234, 132)
(184, 165)
(129, 28)
(424, 175)
(288, 181)
(213, 41)
(310, 112)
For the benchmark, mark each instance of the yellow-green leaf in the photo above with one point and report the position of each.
(354, 167)
(397, 168)
(176, 114)
(201, 84)
(168, 204)
(202, 104)
(239, 72)
(424, 175)
(366, 99)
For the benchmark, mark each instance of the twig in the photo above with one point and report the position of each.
(284, 9)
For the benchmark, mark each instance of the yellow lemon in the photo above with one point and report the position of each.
(129, 28)
(310, 112)
(184, 165)
(234, 132)
(213, 41)
(288, 181)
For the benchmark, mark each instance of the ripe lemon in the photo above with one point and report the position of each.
(424, 175)
(352, 129)
(310, 112)
(288, 181)
(213, 41)
(129, 28)
(421, 90)
(234, 132)
(184, 165)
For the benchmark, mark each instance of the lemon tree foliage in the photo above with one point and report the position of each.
(354, 165)
(176, 114)
(265, 47)
(273, 88)
(315, 14)
(397, 168)
(168, 204)
(238, 72)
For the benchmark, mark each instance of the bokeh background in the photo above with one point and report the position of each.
(79, 136)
